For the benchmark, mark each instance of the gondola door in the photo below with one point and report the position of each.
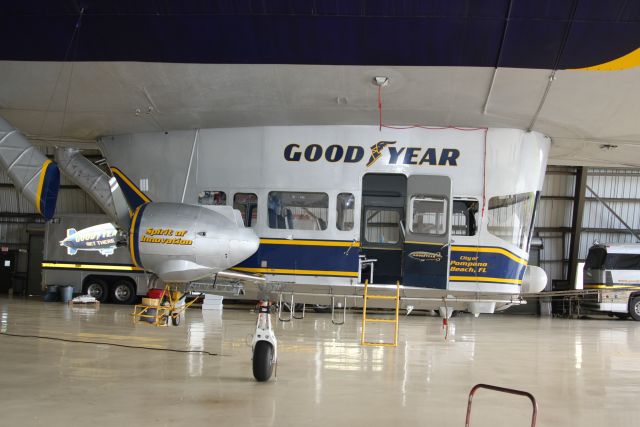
(427, 228)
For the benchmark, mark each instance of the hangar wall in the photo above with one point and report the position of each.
(619, 188)
(17, 215)
(19, 221)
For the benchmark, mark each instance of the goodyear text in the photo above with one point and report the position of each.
(418, 156)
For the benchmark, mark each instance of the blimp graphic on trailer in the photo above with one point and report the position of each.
(100, 238)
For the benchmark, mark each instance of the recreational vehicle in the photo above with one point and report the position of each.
(614, 270)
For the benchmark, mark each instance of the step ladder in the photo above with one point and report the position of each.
(366, 319)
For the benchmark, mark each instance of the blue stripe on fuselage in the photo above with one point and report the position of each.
(49, 190)
(304, 257)
(485, 264)
(283, 256)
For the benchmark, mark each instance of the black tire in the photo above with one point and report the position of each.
(634, 308)
(175, 320)
(123, 292)
(97, 288)
(262, 361)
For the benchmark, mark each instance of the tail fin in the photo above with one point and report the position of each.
(134, 196)
(72, 251)
(36, 177)
(71, 231)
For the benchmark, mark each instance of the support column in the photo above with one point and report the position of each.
(576, 222)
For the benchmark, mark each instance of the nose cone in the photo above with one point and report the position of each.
(242, 247)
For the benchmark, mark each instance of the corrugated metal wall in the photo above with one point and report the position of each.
(619, 188)
(553, 221)
(17, 215)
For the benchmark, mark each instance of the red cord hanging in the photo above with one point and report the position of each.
(484, 167)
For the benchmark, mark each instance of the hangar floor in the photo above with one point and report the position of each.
(583, 373)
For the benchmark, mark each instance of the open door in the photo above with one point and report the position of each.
(383, 204)
(427, 230)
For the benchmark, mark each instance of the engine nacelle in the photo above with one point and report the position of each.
(182, 243)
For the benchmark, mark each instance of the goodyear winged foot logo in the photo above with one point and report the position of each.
(376, 151)
(426, 256)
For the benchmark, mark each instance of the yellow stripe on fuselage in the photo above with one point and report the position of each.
(43, 172)
(484, 279)
(309, 242)
(90, 266)
(490, 250)
(132, 241)
(131, 185)
(300, 272)
(600, 286)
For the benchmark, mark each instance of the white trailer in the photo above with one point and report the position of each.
(85, 251)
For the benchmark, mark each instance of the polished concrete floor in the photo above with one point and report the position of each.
(582, 372)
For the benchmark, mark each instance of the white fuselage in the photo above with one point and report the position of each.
(497, 171)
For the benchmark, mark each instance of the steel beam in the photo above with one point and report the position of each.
(576, 221)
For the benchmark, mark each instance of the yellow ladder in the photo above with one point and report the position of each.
(366, 319)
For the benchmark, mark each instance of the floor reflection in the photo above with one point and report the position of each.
(581, 371)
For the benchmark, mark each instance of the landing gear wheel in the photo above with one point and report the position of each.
(98, 289)
(123, 292)
(634, 308)
(262, 361)
(175, 319)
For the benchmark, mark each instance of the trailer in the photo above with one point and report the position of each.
(87, 252)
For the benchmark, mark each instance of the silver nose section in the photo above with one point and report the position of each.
(243, 246)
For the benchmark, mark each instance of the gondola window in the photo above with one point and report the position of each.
(297, 210)
(511, 217)
(382, 225)
(429, 215)
(210, 197)
(247, 204)
(345, 211)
